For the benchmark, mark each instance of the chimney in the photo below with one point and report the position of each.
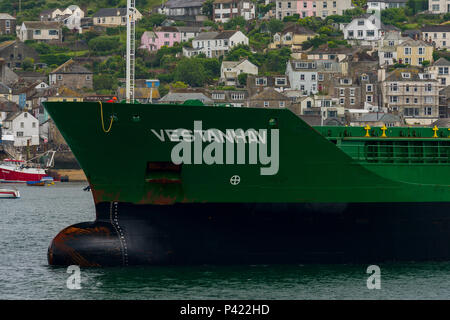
(220, 28)
(381, 74)
(238, 27)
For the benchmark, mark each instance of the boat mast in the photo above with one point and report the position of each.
(131, 34)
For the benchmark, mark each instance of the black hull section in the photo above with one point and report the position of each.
(126, 234)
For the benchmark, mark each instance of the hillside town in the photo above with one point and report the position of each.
(332, 63)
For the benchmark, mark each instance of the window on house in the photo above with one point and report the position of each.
(19, 134)
(22, 125)
(34, 124)
(266, 104)
(428, 111)
(282, 104)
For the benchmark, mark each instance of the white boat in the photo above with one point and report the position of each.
(9, 194)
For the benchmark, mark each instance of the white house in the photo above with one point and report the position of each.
(303, 76)
(69, 17)
(224, 10)
(379, 5)
(439, 6)
(40, 31)
(24, 127)
(215, 44)
(230, 70)
(188, 33)
(364, 30)
(387, 53)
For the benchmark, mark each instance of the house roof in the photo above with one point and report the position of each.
(297, 29)
(215, 35)
(4, 89)
(375, 116)
(183, 3)
(8, 106)
(225, 34)
(6, 44)
(439, 28)
(48, 11)
(233, 64)
(442, 62)
(166, 29)
(191, 29)
(66, 92)
(110, 12)
(5, 16)
(42, 24)
(139, 93)
(269, 94)
(71, 67)
(397, 75)
(13, 115)
(183, 96)
(206, 35)
(415, 43)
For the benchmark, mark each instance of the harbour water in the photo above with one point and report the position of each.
(27, 226)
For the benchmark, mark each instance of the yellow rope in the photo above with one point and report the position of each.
(103, 123)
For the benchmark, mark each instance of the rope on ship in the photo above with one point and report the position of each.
(103, 123)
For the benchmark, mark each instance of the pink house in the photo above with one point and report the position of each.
(161, 36)
(307, 8)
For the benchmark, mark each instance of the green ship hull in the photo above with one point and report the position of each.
(199, 184)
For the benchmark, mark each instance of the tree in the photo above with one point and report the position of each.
(190, 71)
(28, 64)
(242, 78)
(178, 85)
(207, 8)
(233, 23)
(417, 5)
(105, 82)
(275, 25)
(104, 43)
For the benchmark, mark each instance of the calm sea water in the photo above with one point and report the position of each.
(27, 226)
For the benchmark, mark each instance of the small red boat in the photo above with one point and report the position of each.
(19, 171)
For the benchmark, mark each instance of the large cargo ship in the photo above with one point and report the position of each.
(188, 184)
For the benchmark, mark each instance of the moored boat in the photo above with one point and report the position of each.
(18, 171)
(35, 183)
(9, 194)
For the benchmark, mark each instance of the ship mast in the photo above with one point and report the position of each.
(131, 34)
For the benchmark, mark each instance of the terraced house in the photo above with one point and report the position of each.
(215, 44)
(292, 36)
(379, 5)
(113, 17)
(414, 52)
(438, 36)
(311, 8)
(224, 10)
(412, 93)
(439, 6)
(160, 36)
(7, 24)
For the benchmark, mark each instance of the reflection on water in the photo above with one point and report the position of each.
(27, 226)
